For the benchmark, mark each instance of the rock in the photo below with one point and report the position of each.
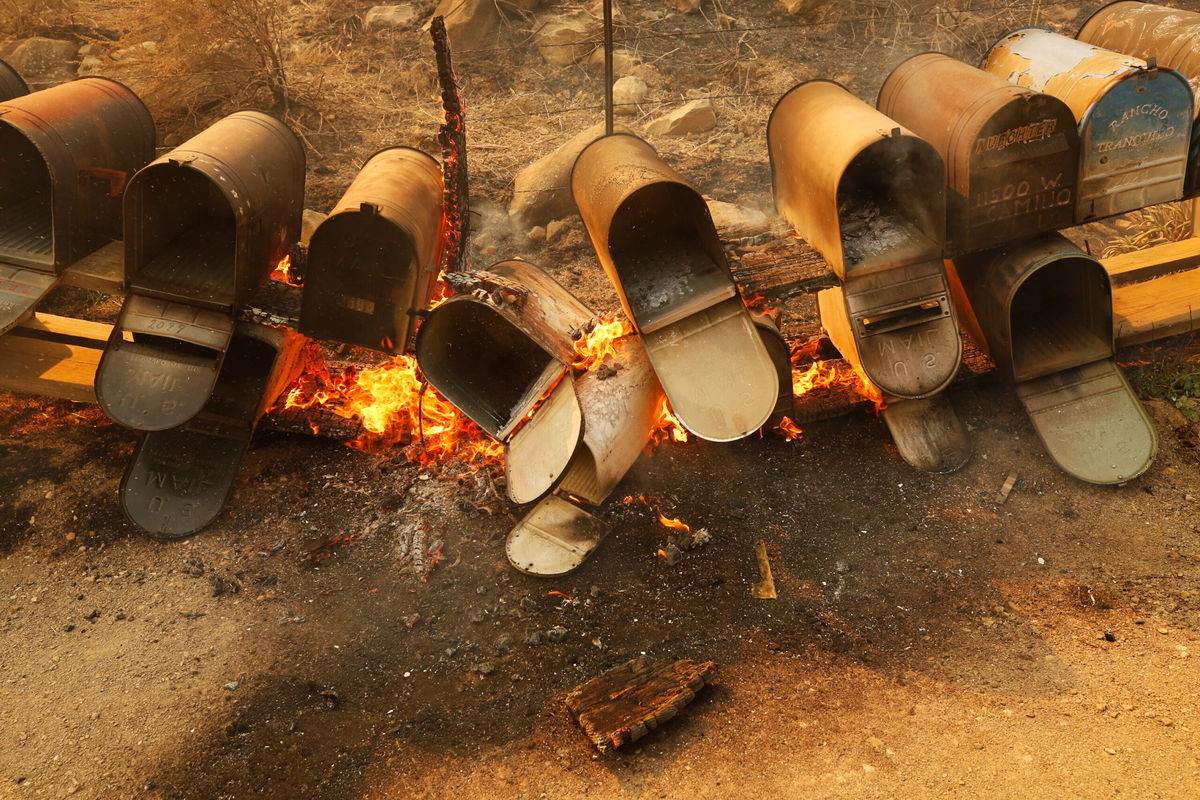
(553, 229)
(44, 62)
(536, 234)
(90, 65)
(567, 39)
(532, 637)
(671, 555)
(730, 216)
(695, 117)
(628, 92)
(231, 686)
(624, 61)
(485, 668)
(504, 643)
(686, 6)
(141, 51)
(472, 24)
(542, 190)
(556, 634)
(802, 6)
(309, 223)
(394, 17)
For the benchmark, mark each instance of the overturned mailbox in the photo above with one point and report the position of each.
(1134, 117)
(501, 351)
(1169, 35)
(372, 263)
(870, 197)
(65, 155)
(11, 83)
(204, 226)
(179, 479)
(655, 238)
(1043, 309)
(1011, 154)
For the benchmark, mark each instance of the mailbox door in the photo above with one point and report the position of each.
(540, 450)
(20, 292)
(929, 434)
(555, 537)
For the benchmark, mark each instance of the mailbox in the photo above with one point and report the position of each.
(1011, 154)
(1134, 118)
(1043, 310)
(204, 226)
(655, 239)
(1168, 35)
(11, 83)
(373, 262)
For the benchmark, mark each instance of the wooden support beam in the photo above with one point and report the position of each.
(102, 271)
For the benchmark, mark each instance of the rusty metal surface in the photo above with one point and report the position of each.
(373, 262)
(1134, 120)
(1011, 154)
(207, 222)
(1169, 35)
(862, 190)
(65, 155)
(11, 83)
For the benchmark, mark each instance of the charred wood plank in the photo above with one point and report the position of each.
(780, 269)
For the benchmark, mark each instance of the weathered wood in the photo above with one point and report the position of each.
(629, 701)
(1158, 308)
(53, 356)
(1153, 262)
(780, 269)
(102, 271)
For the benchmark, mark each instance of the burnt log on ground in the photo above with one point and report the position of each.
(629, 701)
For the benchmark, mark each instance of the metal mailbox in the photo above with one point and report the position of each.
(655, 238)
(501, 352)
(1043, 310)
(1171, 36)
(65, 155)
(11, 83)
(1011, 154)
(204, 226)
(179, 480)
(870, 197)
(1134, 118)
(373, 262)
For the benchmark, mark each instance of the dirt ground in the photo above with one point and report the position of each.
(928, 639)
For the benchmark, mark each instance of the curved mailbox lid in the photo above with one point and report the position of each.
(559, 533)
(1134, 119)
(781, 357)
(179, 480)
(372, 263)
(1011, 154)
(501, 354)
(929, 433)
(653, 235)
(11, 83)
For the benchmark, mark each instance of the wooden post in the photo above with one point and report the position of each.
(1196, 217)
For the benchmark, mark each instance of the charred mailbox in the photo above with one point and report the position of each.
(65, 155)
(1134, 118)
(870, 197)
(372, 263)
(1043, 309)
(501, 352)
(1011, 154)
(655, 238)
(204, 226)
(1169, 35)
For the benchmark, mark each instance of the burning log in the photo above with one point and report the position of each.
(452, 136)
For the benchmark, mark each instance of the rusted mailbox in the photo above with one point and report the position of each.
(1134, 118)
(653, 235)
(179, 479)
(1011, 154)
(1169, 35)
(501, 352)
(372, 263)
(11, 83)
(870, 197)
(204, 226)
(1043, 309)
(65, 155)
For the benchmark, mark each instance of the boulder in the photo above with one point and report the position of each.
(730, 216)
(141, 51)
(44, 62)
(624, 62)
(393, 17)
(309, 223)
(686, 6)
(695, 117)
(802, 6)
(567, 39)
(628, 92)
(472, 24)
(542, 191)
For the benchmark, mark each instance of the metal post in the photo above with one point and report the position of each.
(608, 68)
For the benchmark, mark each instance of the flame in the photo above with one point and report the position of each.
(283, 272)
(673, 524)
(790, 430)
(821, 374)
(666, 426)
(600, 342)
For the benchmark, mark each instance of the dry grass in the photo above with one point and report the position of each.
(23, 18)
(1169, 222)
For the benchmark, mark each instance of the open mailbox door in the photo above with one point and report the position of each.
(1043, 309)
(65, 155)
(653, 235)
(1134, 117)
(372, 263)
(1011, 154)
(1169, 35)
(870, 197)
(204, 226)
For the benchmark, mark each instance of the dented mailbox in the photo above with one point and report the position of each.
(11, 83)
(373, 262)
(1134, 118)
(501, 352)
(65, 155)
(653, 235)
(204, 226)
(1043, 309)
(1011, 154)
(1171, 36)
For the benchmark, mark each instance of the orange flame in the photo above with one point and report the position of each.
(790, 430)
(283, 272)
(666, 426)
(673, 524)
(832, 374)
(593, 346)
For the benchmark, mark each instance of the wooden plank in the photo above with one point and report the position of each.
(35, 365)
(780, 269)
(1155, 309)
(1153, 262)
(102, 271)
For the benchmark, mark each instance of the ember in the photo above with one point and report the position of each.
(818, 374)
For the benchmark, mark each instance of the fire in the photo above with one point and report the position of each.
(790, 430)
(596, 344)
(283, 272)
(673, 524)
(666, 426)
(820, 374)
